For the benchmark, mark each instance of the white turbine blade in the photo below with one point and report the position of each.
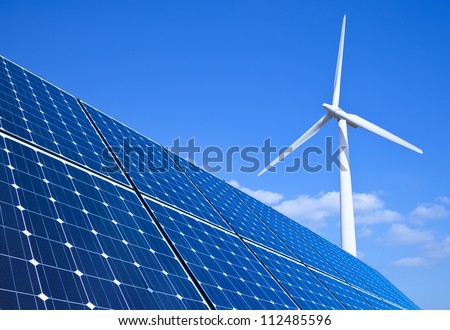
(337, 77)
(302, 139)
(361, 122)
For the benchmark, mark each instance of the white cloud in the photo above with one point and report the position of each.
(317, 211)
(369, 208)
(313, 210)
(265, 196)
(234, 183)
(377, 216)
(402, 234)
(439, 249)
(410, 262)
(367, 202)
(443, 199)
(428, 212)
(365, 232)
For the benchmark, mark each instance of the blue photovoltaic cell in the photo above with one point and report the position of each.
(39, 112)
(345, 293)
(70, 240)
(318, 244)
(151, 168)
(301, 284)
(296, 243)
(328, 261)
(240, 217)
(377, 303)
(228, 272)
(377, 282)
(342, 260)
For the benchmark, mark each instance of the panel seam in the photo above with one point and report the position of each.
(150, 212)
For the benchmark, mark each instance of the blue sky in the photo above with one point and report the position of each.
(232, 73)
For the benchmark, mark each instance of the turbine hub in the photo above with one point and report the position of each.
(331, 109)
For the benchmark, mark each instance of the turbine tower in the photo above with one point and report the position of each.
(348, 237)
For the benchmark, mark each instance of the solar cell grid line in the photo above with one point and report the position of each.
(377, 302)
(40, 113)
(227, 270)
(146, 207)
(303, 251)
(237, 214)
(15, 248)
(379, 282)
(349, 296)
(330, 252)
(97, 247)
(154, 173)
(304, 287)
(379, 285)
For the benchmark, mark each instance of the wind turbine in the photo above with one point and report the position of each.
(348, 237)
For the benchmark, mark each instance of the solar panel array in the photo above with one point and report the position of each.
(94, 215)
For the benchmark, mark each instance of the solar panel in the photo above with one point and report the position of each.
(355, 275)
(240, 217)
(152, 170)
(359, 275)
(94, 215)
(276, 220)
(375, 281)
(378, 303)
(227, 270)
(38, 112)
(300, 282)
(79, 241)
(345, 293)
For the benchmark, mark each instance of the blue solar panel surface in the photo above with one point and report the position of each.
(330, 255)
(354, 275)
(83, 228)
(296, 243)
(240, 217)
(229, 273)
(151, 168)
(83, 241)
(300, 282)
(381, 286)
(345, 293)
(41, 113)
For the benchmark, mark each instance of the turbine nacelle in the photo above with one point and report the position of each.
(338, 113)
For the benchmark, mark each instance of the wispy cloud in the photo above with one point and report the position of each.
(443, 199)
(265, 196)
(377, 216)
(410, 262)
(439, 249)
(429, 212)
(315, 211)
(404, 235)
(311, 209)
(369, 208)
(365, 232)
